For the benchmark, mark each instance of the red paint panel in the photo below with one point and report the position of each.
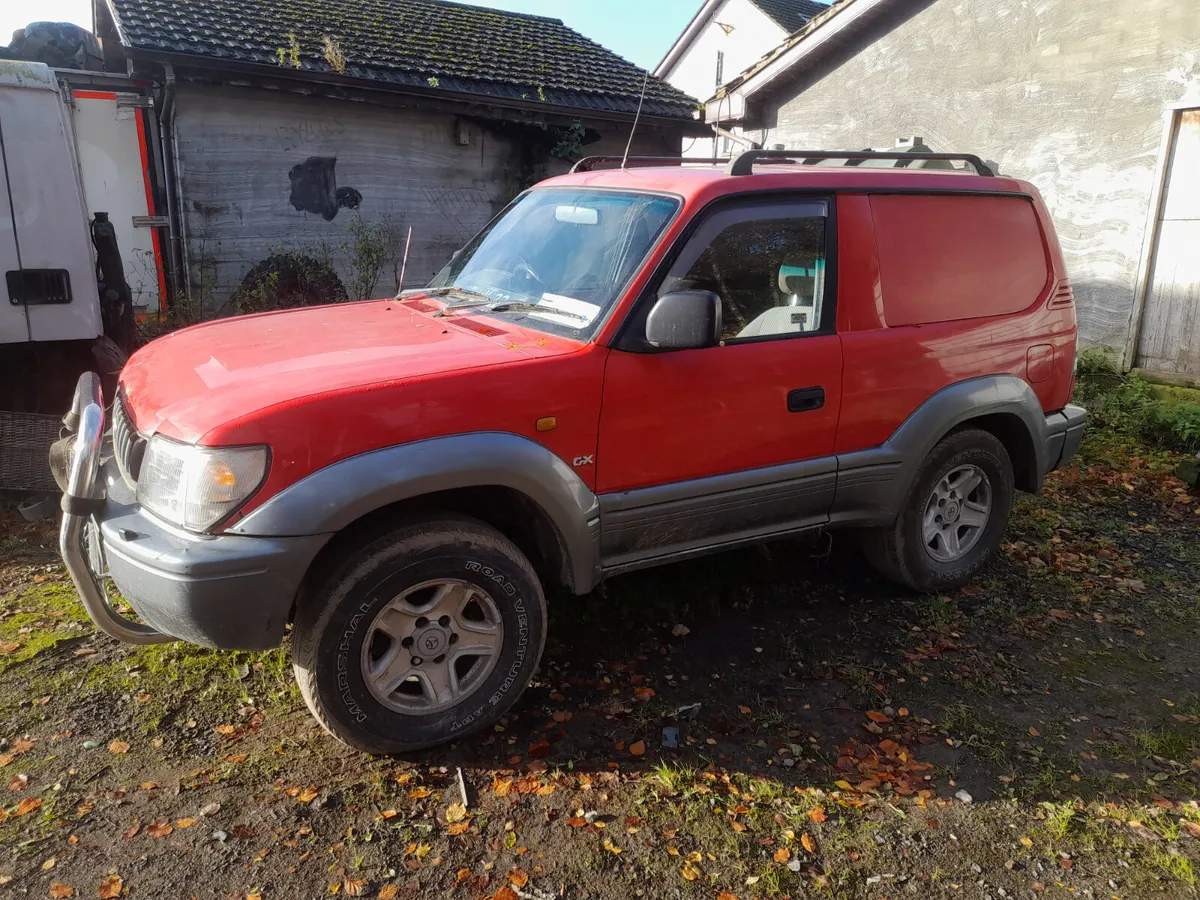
(950, 257)
(94, 95)
(694, 413)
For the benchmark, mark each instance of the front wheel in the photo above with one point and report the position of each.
(428, 634)
(953, 519)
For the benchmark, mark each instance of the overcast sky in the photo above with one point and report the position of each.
(639, 30)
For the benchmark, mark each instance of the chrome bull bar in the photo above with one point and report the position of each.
(79, 501)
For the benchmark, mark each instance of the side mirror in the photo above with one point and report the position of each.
(685, 320)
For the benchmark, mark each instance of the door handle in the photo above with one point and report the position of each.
(806, 399)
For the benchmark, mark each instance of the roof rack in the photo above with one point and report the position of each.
(743, 163)
(589, 163)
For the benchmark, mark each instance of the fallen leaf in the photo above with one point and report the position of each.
(110, 887)
(726, 895)
(517, 878)
(690, 872)
(817, 815)
(159, 829)
(1026, 842)
(5, 759)
(463, 875)
(744, 710)
(546, 790)
(184, 823)
(26, 806)
(610, 846)
(505, 893)
(235, 758)
(18, 782)
(782, 855)
(10, 647)
(458, 828)
(808, 843)
(49, 864)
(308, 795)
(1033, 731)
(455, 812)
(225, 729)
(60, 891)
(22, 745)
(1066, 863)
(576, 821)
(877, 717)
(388, 892)
(681, 631)
(118, 746)
(354, 887)
(501, 786)
(643, 693)
(637, 748)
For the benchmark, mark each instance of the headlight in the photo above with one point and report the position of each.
(197, 487)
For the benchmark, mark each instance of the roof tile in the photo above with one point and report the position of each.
(470, 49)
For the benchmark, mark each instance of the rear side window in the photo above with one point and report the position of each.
(949, 257)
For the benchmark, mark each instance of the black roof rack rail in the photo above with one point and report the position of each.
(589, 163)
(743, 163)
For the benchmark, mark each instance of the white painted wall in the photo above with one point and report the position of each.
(695, 73)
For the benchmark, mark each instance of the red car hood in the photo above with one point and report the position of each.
(191, 381)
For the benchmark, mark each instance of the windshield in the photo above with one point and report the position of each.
(558, 259)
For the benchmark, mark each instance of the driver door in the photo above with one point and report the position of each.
(731, 442)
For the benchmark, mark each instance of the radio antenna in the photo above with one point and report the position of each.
(641, 100)
(404, 264)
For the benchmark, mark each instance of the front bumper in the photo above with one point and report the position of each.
(1064, 435)
(225, 591)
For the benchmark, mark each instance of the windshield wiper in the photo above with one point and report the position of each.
(478, 299)
(522, 306)
(507, 306)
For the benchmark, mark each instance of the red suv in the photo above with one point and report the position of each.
(627, 367)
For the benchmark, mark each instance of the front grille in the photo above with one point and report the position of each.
(128, 445)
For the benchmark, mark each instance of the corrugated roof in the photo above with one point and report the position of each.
(790, 15)
(417, 43)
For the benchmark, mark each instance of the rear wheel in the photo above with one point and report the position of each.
(426, 635)
(953, 519)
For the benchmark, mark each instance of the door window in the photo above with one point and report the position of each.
(766, 264)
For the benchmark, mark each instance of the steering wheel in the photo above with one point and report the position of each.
(530, 274)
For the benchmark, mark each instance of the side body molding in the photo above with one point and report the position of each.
(329, 500)
(873, 484)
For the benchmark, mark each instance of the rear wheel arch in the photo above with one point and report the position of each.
(1013, 432)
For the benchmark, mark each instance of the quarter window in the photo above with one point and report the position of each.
(769, 273)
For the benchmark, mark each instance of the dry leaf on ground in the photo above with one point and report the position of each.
(110, 888)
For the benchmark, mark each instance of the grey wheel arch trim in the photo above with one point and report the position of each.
(332, 498)
(873, 484)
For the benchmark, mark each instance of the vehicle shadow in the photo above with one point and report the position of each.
(765, 660)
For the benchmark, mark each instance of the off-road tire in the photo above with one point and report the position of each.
(332, 620)
(897, 551)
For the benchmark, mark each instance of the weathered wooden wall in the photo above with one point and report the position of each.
(237, 148)
(1068, 94)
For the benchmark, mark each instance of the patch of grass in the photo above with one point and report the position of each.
(1168, 743)
(1132, 407)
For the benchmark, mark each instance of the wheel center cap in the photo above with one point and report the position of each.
(951, 512)
(431, 642)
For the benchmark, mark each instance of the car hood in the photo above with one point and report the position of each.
(191, 381)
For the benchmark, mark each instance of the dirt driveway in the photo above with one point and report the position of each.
(757, 724)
